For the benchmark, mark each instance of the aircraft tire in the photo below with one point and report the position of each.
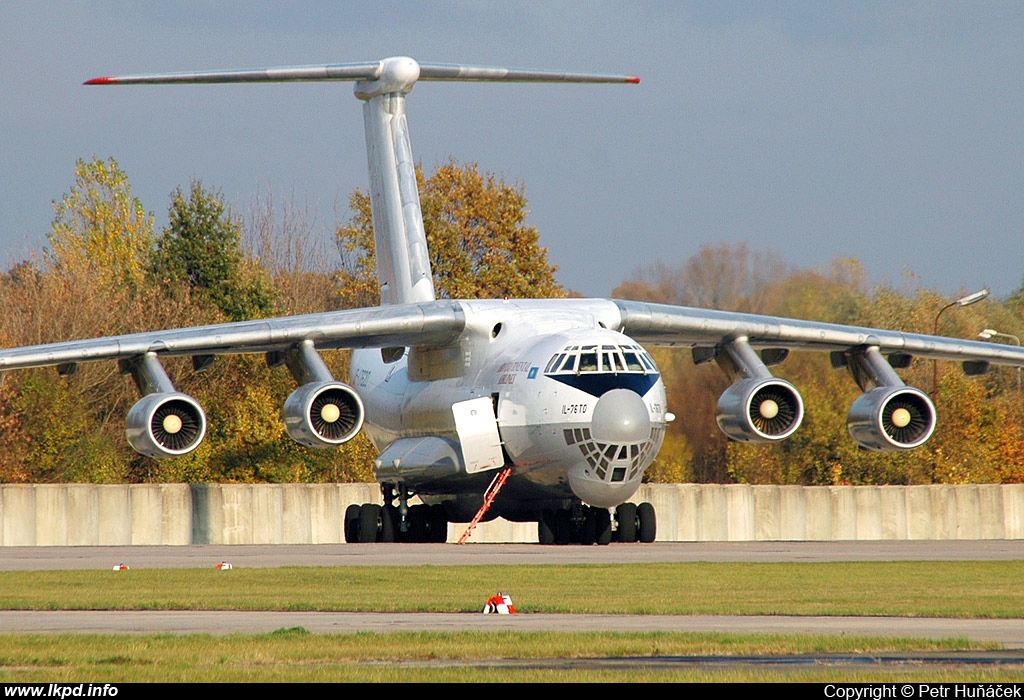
(648, 524)
(438, 524)
(388, 519)
(625, 515)
(546, 528)
(588, 531)
(369, 522)
(417, 531)
(352, 523)
(603, 526)
(563, 526)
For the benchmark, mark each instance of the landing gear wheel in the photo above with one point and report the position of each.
(369, 522)
(437, 524)
(625, 515)
(546, 528)
(352, 523)
(588, 530)
(417, 531)
(648, 526)
(388, 519)
(602, 525)
(563, 526)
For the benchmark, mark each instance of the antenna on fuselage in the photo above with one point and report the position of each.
(403, 263)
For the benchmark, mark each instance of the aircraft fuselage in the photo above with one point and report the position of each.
(579, 407)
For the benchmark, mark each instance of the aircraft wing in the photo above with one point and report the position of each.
(666, 325)
(426, 324)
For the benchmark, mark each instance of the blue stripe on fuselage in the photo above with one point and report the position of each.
(596, 384)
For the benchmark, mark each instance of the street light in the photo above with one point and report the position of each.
(988, 334)
(962, 301)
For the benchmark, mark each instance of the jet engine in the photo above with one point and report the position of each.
(889, 415)
(165, 425)
(757, 407)
(891, 418)
(765, 409)
(323, 414)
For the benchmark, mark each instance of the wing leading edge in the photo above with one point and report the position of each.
(429, 324)
(666, 325)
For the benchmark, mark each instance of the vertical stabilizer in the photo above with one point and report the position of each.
(403, 265)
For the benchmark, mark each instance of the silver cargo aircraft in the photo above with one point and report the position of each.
(554, 402)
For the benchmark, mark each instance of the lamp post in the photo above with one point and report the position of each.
(988, 334)
(962, 301)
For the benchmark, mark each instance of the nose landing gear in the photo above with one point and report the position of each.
(635, 522)
(585, 524)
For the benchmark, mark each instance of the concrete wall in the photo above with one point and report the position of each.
(180, 514)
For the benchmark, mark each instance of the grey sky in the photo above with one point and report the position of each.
(889, 132)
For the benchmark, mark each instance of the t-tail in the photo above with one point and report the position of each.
(403, 262)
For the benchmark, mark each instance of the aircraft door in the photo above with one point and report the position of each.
(477, 427)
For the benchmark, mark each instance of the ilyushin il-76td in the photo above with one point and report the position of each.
(533, 410)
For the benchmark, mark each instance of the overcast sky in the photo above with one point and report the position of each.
(890, 132)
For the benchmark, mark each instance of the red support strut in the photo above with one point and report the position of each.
(489, 495)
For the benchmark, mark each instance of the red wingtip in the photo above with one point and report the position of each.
(101, 81)
(633, 79)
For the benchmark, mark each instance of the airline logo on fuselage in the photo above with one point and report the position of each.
(508, 372)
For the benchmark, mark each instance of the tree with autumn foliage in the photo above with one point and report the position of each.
(200, 253)
(101, 231)
(91, 281)
(480, 244)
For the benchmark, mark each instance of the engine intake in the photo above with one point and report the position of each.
(887, 419)
(760, 410)
(165, 425)
(323, 414)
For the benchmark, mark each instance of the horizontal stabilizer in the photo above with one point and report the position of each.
(373, 70)
(443, 71)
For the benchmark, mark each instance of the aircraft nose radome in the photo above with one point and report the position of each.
(620, 416)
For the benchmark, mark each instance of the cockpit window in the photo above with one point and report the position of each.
(613, 360)
(553, 363)
(632, 363)
(588, 361)
(607, 359)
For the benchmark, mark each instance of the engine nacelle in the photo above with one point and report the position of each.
(760, 410)
(165, 425)
(323, 414)
(890, 418)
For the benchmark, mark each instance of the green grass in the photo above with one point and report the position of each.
(923, 589)
(298, 656)
(948, 589)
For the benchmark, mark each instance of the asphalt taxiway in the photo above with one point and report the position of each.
(1007, 632)
(265, 556)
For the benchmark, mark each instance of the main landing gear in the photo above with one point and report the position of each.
(393, 522)
(585, 524)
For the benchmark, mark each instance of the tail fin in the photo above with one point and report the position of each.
(403, 263)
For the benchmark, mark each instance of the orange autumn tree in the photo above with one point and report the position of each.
(479, 243)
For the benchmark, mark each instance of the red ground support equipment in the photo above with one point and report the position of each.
(489, 495)
(500, 604)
